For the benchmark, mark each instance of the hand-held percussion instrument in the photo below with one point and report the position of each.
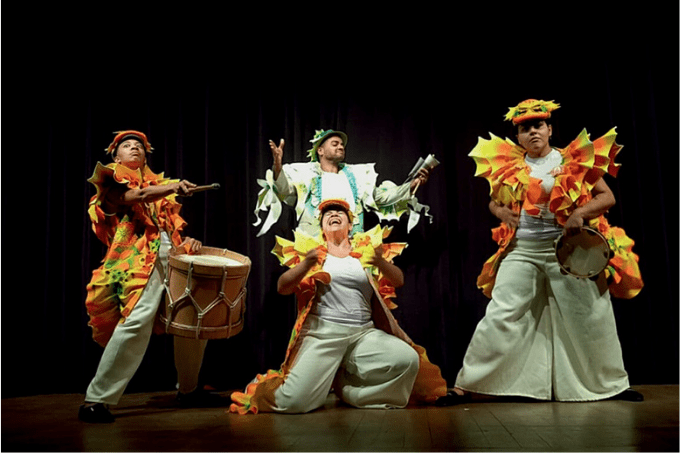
(428, 163)
(205, 293)
(584, 254)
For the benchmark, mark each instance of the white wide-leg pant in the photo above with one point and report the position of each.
(545, 335)
(376, 370)
(125, 350)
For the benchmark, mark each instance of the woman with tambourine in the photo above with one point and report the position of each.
(549, 333)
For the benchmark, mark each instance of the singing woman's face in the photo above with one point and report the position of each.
(335, 220)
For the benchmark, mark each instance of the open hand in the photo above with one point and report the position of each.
(277, 154)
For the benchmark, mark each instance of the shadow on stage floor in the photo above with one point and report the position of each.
(151, 422)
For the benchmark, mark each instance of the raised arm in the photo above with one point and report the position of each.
(277, 154)
(124, 196)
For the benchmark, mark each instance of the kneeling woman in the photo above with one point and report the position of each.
(345, 336)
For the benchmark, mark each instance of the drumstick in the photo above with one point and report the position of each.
(203, 188)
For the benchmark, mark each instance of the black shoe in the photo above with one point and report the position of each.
(96, 413)
(451, 398)
(628, 395)
(200, 398)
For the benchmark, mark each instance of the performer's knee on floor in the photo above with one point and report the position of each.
(406, 361)
(296, 403)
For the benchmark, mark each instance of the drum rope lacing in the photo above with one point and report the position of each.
(221, 297)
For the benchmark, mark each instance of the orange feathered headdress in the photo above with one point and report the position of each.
(531, 109)
(121, 136)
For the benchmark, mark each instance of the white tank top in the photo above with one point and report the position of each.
(347, 299)
(544, 225)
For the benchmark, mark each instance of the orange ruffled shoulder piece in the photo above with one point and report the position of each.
(501, 163)
(584, 163)
(291, 253)
(364, 246)
(105, 176)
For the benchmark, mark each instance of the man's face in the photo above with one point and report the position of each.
(131, 153)
(335, 219)
(333, 149)
(534, 136)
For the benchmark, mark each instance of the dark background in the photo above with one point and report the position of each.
(398, 96)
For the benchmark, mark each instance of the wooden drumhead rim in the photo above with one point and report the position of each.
(209, 269)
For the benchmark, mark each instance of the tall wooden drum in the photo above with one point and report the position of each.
(205, 293)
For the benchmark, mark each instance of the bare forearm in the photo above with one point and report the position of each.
(290, 279)
(494, 207)
(504, 213)
(276, 168)
(603, 199)
(600, 204)
(122, 196)
(148, 194)
(392, 273)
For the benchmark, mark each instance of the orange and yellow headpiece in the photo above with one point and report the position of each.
(531, 109)
(335, 203)
(121, 136)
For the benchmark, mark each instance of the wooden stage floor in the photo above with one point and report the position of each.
(151, 422)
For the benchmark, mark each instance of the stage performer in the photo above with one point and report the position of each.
(303, 186)
(135, 214)
(548, 335)
(345, 336)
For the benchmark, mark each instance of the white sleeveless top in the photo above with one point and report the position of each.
(544, 225)
(347, 299)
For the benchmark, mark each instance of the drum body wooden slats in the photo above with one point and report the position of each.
(583, 255)
(205, 293)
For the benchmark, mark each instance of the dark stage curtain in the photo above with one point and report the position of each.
(216, 130)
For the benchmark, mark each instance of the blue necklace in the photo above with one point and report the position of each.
(351, 179)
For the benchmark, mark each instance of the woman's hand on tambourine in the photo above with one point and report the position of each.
(191, 245)
(574, 223)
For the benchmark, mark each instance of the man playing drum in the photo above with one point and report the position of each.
(134, 213)
(547, 334)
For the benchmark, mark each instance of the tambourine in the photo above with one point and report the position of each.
(584, 254)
